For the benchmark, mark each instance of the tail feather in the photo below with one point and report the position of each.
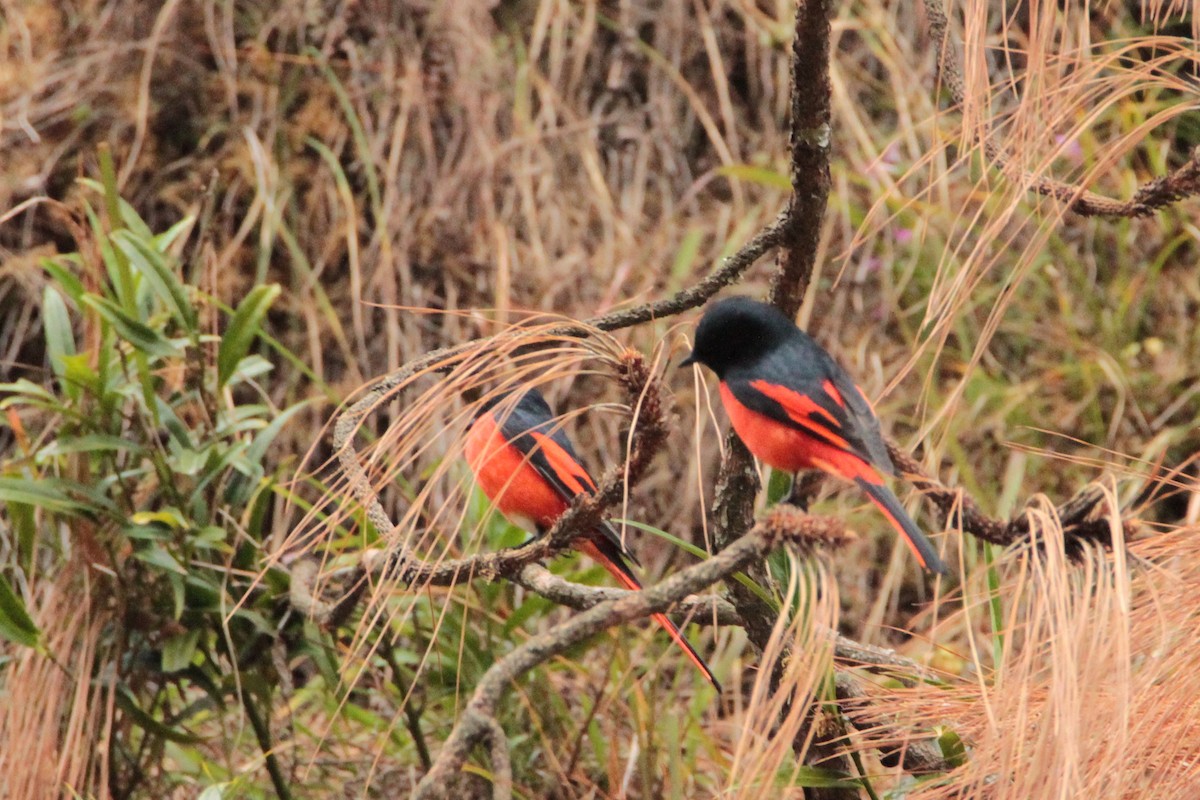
(917, 541)
(612, 558)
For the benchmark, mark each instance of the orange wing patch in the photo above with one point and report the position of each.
(566, 469)
(832, 391)
(800, 408)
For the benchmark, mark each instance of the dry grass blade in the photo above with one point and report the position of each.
(1094, 696)
(56, 719)
(766, 752)
(415, 176)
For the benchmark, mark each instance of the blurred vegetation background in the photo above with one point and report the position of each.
(220, 219)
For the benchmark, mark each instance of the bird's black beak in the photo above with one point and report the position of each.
(691, 359)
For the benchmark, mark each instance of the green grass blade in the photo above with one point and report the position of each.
(15, 623)
(161, 278)
(60, 337)
(243, 327)
(144, 339)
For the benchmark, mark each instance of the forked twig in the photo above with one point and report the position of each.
(1148, 199)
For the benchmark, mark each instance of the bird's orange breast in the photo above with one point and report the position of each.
(508, 479)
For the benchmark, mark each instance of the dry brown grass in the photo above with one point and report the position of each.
(1094, 694)
(567, 158)
(56, 718)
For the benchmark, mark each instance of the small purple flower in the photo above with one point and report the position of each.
(888, 162)
(1070, 148)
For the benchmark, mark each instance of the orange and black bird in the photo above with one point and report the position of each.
(794, 408)
(528, 469)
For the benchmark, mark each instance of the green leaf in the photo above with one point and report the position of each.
(821, 778)
(133, 220)
(165, 239)
(153, 265)
(179, 432)
(258, 448)
(178, 651)
(60, 337)
(178, 594)
(210, 535)
(157, 556)
(134, 331)
(46, 494)
(91, 443)
(78, 372)
(170, 517)
(740, 577)
(24, 524)
(778, 485)
(201, 593)
(15, 623)
(953, 749)
(250, 368)
(61, 274)
(687, 547)
(242, 329)
(147, 533)
(25, 388)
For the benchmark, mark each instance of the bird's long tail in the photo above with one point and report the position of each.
(609, 555)
(920, 545)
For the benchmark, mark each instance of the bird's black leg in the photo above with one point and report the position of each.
(794, 497)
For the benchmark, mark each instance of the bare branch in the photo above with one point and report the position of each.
(700, 609)
(1079, 516)
(501, 763)
(695, 296)
(444, 359)
(1149, 198)
(536, 578)
(472, 724)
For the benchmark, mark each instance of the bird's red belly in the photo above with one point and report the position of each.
(777, 445)
(508, 479)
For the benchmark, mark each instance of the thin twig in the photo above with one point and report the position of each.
(1149, 198)
(412, 714)
(479, 716)
(1080, 518)
(703, 609)
(444, 359)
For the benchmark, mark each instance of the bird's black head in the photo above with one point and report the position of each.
(738, 330)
